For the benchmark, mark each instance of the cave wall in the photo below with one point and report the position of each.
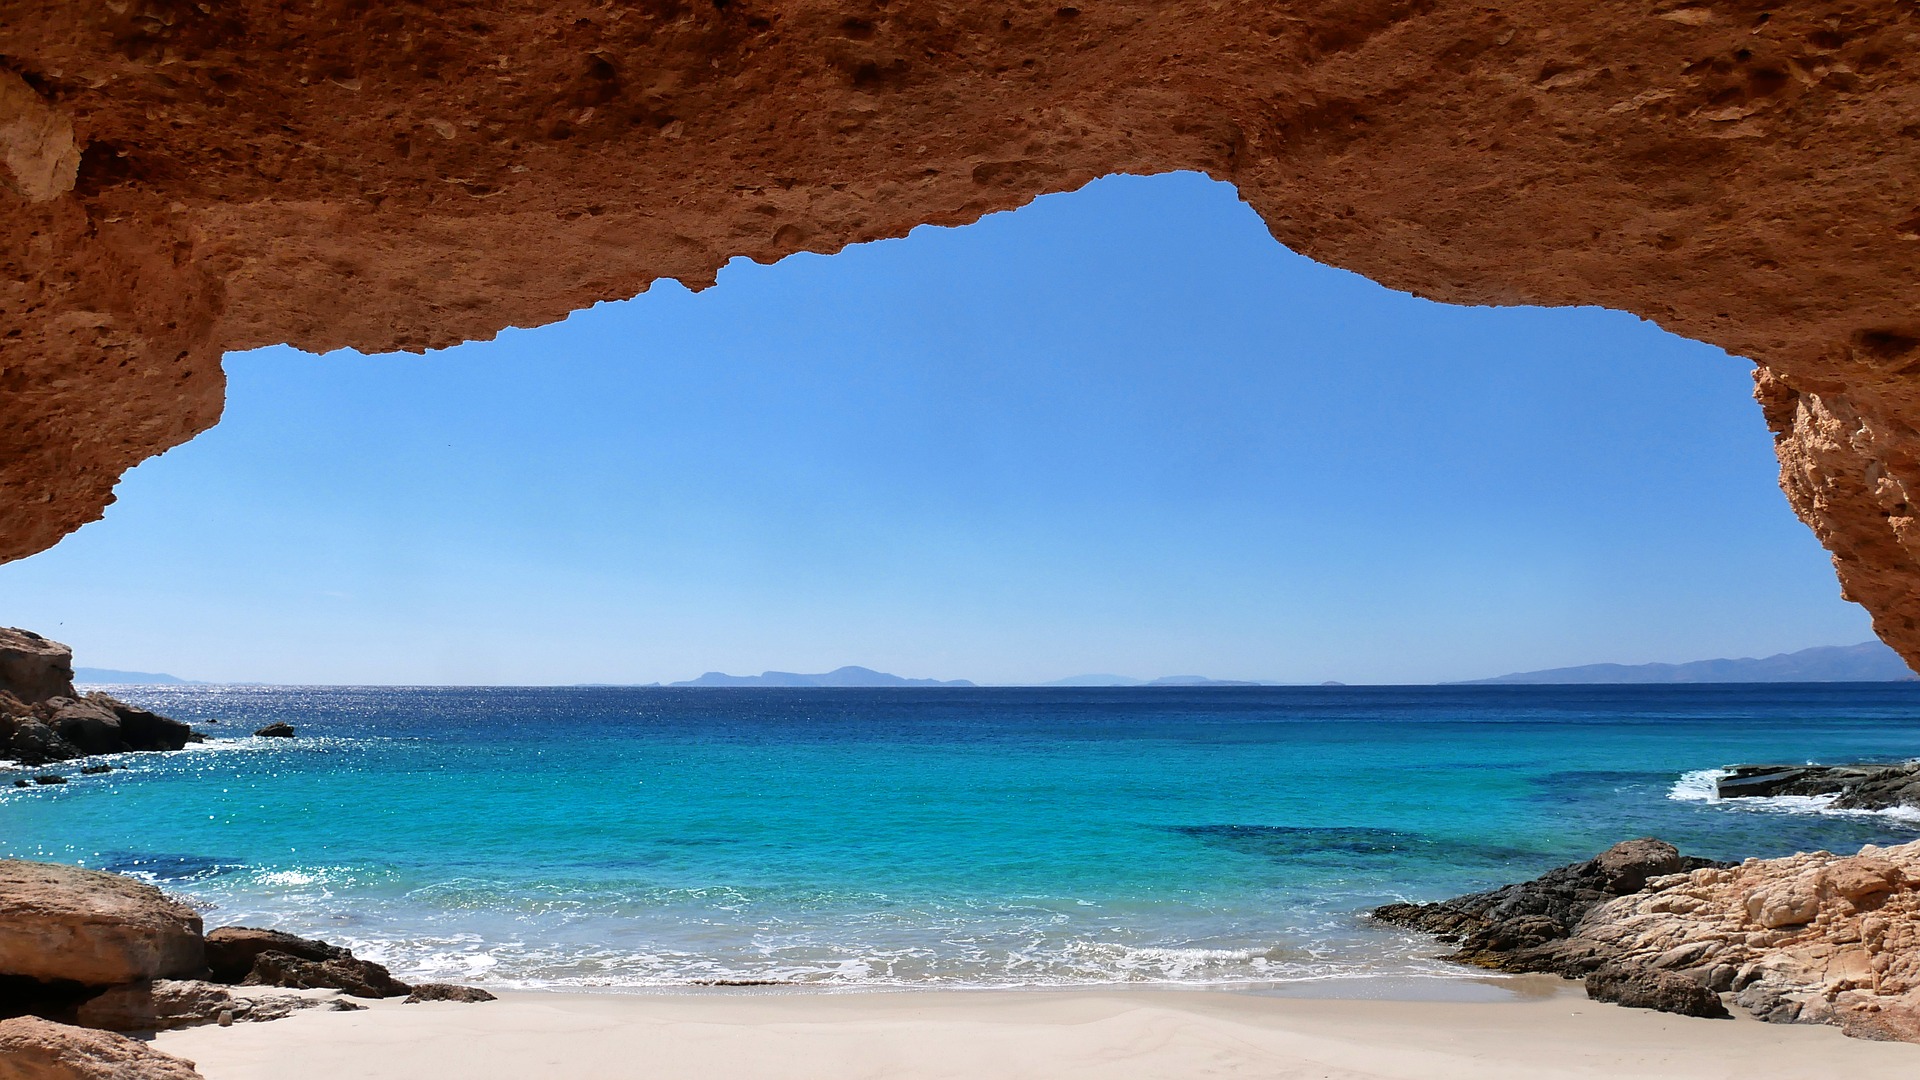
(179, 178)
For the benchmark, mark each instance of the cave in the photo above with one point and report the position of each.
(184, 179)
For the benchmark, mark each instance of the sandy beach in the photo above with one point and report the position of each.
(1552, 1032)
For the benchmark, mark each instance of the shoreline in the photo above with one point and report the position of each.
(1116, 1033)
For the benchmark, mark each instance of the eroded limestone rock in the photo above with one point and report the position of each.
(64, 923)
(35, 1049)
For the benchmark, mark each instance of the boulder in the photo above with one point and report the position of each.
(92, 928)
(88, 725)
(359, 978)
(1638, 986)
(141, 729)
(446, 992)
(33, 668)
(49, 778)
(34, 743)
(231, 950)
(1525, 927)
(36, 1049)
(157, 1006)
(276, 731)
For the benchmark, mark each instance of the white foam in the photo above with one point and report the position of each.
(1702, 785)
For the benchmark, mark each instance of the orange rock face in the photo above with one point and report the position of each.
(184, 178)
(1813, 938)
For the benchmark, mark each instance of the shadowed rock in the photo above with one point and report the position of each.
(1638, 986)
(276, 731)
(178, 1003)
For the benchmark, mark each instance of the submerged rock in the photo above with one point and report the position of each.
(36, 1049)
(276, 731)
(92, 928)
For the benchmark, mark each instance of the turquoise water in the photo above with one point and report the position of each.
(985, 837)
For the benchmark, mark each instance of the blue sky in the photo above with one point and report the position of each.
(1119, 430)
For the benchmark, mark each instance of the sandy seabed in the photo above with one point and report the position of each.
(1548, 1030)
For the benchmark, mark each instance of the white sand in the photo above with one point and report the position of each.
(1112, 1035)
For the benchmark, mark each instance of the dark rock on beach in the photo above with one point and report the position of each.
(358, 978)
(241, 954)
(1638, 986)
(1525, 927)
(446, 992)
(276, 731)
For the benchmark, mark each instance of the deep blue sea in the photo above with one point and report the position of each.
(613, 837)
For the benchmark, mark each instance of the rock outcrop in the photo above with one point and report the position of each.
(240, 954)
(108, 952)
(1811, 938)
(1859, 787)
(178, 180)
(33, 669)
(36, 1049)
(1526, 927)
(43, 719)
(67, 924)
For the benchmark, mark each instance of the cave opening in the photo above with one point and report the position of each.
(1119, 428)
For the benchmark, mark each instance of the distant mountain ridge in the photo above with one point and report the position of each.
(130, 678)
(844, 676)
(1869, 661)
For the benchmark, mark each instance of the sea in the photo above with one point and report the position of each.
(622, 839)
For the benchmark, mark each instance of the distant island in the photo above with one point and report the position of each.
(845, 676)
(1164, 680)
(1869, 661)
(113, 676)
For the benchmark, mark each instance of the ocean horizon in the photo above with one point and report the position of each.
(633, 838)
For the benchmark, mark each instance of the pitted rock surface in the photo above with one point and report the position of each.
(36, 1049)
(64, 923)
(180, 179)
(1810, 938)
